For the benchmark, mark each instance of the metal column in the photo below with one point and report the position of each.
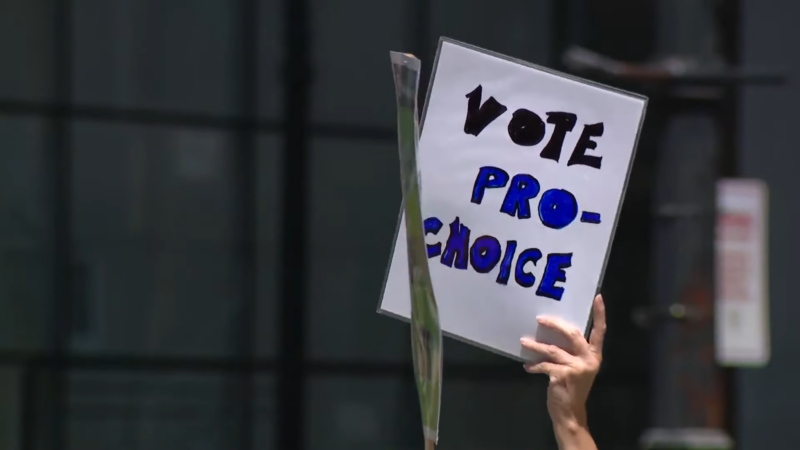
(689, 407)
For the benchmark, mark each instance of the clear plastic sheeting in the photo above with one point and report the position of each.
(426, 334)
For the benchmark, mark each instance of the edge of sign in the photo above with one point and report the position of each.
(534, 66)
(590, 322)
(644, 98)
(457, 337)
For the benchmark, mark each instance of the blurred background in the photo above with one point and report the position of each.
(180, 266)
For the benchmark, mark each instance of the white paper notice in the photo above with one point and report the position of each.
(523, 173)
(742, 300)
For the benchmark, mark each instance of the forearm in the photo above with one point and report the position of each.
(573, 434)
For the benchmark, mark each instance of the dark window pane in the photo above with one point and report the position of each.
(155, 219)
(158, 54)
(268, 204)
(26, 49)
(364, 414)
(133, 411)
(10, 408)
(270, 58)
(266, 414)
(500, 414)
(628, 287)
(525, 25)
(355, 196)
(357, 413)
(25, 235)
(630, 404)
(353, 79)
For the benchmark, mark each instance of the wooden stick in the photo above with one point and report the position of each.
(429, 444)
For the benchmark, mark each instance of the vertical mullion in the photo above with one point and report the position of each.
(729, 26)
(291, 355)
(29, 379)
(422, 44)
(62, 222)
(247, 230)
(561, 24)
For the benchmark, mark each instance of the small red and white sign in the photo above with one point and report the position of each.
(742, 298)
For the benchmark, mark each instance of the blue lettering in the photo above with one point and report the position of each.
(485, 254)
(488, 178)
(523, 188)
(553, 273)
(523, 278)
(505, 266)
(590, 217)
(457, 245)
(432, 225)
(557, 208)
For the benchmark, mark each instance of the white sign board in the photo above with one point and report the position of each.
(742, 300)
(523, 173)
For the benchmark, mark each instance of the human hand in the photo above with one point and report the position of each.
(572, 371)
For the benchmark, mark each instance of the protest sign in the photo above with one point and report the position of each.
(523, 172)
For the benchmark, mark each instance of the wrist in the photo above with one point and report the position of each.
(572, 419)
(569, 426)
(572, 431)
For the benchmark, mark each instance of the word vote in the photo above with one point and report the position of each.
(527, 129)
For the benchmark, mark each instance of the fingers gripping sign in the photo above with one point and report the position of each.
(571, 370)
(580, 350)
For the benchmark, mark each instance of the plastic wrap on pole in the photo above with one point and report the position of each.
(426, 335)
